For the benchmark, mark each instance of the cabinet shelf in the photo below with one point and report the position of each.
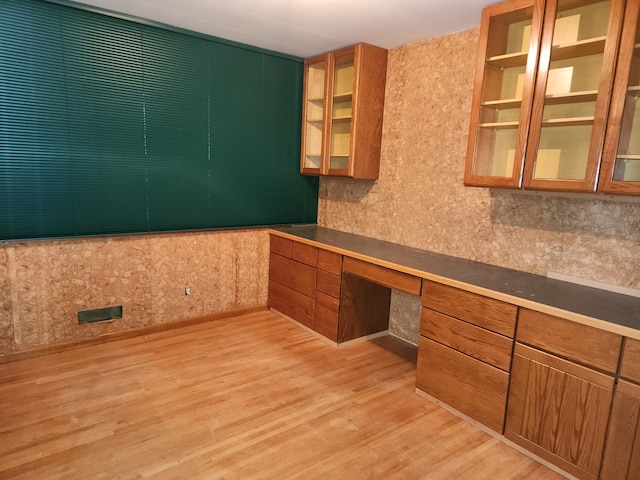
(582, 48)
(343, 97)
(628, 157)
(339, 155)
(573, 97)
(503, 103)
(342, 119)
(314, 120)
(499, 125)
(509, 60)
(318, 101)
(634, 89)
(568, 122)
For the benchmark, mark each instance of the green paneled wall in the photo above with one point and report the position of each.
(109, 125)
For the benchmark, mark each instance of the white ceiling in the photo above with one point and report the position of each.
(308, 27)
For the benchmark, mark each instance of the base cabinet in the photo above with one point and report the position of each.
(562, 383)
(622, 454)
(559, 410)
(305, 284)
(464, 357)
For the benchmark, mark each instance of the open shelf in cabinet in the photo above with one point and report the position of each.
(569, 122)
(503, 103)
(499, 125)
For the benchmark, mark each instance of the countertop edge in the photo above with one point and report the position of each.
(469, 287)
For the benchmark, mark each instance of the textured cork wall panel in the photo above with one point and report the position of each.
(43, 284)
(420, 200)
(224, 270)
(6, 323)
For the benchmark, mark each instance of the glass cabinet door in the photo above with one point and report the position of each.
(575, 77)
(620, 171)
(314, 115)
(503, 92)
(341, 111)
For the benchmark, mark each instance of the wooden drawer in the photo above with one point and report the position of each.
(383, 276)
(580, 343)
(292, 303)
(476, 342)
(292, 274)
(466, 384)
(326, 317)
(281, 246)
(330, 261)
(304, 253)
(494, 315)
(630, 367)
(328, 283)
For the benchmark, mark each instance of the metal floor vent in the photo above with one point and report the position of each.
(99, 315)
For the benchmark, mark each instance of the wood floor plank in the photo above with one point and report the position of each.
(247, 397)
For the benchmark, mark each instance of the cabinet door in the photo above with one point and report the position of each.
(573, 89)
(622, 455)
(314, 115)
(559, 410)
(342, 83)
(621, 158)
(503, 93)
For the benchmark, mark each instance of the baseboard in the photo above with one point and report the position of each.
(497, 436)
(122, 335)
(348, 343)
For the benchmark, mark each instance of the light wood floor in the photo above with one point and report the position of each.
(251, 397)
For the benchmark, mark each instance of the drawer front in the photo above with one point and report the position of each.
(383, 276)
(281, 246)
(292, 274)
(330, 261)
(580, 343)
(464, 383)
(292, 303)
(630, 368)
(328, 283)
(476, 342)
(304, 253)
(326, 317)
(494, 315)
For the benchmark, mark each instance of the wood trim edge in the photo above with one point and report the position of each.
(125, 334)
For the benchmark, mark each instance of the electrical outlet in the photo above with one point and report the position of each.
(187, 291)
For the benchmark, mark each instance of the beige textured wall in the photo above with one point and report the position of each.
(43, 284)
(419, 199)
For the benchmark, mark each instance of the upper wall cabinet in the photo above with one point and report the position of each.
(620, 171)
(342, 112)
(542, 93)
(503, 93)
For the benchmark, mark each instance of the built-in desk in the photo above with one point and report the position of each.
(536, 361)
(605, 310)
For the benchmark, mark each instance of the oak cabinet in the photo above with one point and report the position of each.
(622, 453)
(621, 157)
(542, 93)
(304, 284)
(562, 382)
(342, 112)
(464, 356)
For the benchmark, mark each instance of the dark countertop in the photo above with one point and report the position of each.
(607, 310)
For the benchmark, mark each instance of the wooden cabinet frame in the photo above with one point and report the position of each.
(614, 128)
(365, 120)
